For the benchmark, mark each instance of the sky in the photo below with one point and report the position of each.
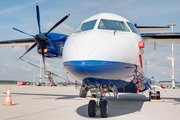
(21, 14)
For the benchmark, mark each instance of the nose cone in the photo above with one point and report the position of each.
(100, 54)
(102, 45)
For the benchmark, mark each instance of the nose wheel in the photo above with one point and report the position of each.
(93, 107)
(97, 102)
(104, 109)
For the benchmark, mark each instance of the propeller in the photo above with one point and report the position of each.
(41, 39)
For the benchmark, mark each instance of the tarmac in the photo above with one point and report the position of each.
(60, 103)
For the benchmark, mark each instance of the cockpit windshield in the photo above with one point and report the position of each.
(86, 26)
(112, 25)
(133, 28)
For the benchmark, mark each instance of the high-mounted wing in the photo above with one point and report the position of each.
(152, 28)
(18, 42)
(158, 38)
(161, 38)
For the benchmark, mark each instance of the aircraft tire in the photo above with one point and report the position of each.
(150, 97)
(92, 108)
(158, 97)
(104, 109)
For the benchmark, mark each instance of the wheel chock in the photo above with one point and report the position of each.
(156, 100)
(92, 99)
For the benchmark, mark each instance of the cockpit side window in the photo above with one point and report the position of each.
(112, 25)
(133, 28)
(86, 26)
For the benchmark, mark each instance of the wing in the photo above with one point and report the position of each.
(19, 42)
(158, 38)
(161, 38)
(152, 28)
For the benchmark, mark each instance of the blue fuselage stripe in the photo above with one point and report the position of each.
(107, 70)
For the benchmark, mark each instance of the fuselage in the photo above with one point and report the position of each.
(104, 46)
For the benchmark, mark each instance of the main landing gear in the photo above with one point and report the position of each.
(153, 94)
(98, 103)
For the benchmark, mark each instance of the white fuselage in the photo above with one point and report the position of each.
(103, 45)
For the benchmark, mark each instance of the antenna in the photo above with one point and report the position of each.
(173, 84)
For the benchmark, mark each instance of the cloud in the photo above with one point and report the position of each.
(6, 64)
(62, 28)
(163, 70)
(23, 68)
(170, 58)
(12, 9)
(34, 58)
(152, 56)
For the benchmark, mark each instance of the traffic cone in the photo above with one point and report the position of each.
(8, 101)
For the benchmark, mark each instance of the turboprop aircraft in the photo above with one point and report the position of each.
(105, 53)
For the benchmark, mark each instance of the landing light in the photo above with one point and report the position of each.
(45, 50)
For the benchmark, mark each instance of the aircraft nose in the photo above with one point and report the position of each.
(83, 46)
(80, 70)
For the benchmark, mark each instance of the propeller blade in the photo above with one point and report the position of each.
(34, 45)
(57, 76)
(31, 64)
(42, 50)
(38, 17)
(42, 68)
(58, 23)
(23, 32)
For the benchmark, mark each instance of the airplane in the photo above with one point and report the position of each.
(105, 53)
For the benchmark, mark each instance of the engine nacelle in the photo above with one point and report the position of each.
(51, 51)
(54, 47)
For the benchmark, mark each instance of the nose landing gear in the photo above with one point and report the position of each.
(93, 107)
(98, 103)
